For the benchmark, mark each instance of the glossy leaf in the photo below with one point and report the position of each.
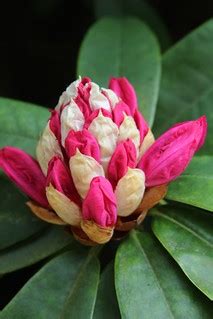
(187, 235)
(67, 283)
(195, 185)
(123, 47)
(16, 221)
(139, 8)
(186, 90)
(21, 124)
(36, 248)
(150, 285)
(106, 304)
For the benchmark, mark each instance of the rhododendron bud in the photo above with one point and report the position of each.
(168, 157)
(98, 168)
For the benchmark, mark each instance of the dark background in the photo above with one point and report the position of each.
(40, 39)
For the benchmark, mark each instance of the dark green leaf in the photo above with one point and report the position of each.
(150, 285)
(187, 235)
(123, 47)
(34, 249)
(21, 124)
(138, 8)
(187, 83)
(16, 221)
(195, 185)
(68, 282)
(106, 304)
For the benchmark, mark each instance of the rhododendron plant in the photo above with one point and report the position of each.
(98, 167)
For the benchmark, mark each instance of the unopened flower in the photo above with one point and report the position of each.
(98, 167)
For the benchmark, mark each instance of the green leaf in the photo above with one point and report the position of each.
(68, 282)
(187, 235)
(123, 47)
(195, 185)
(150, 285)
(36, 248)
(138, 8)
(186, 90)
(21, 124)
(16, 221)
(106, 304)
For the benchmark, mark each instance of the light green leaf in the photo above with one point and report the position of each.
(186, 90)
(106, 304)
(150, 285)
(123, 47)
(187, 235)
(36, 248)
(138, 8)
(195, 185)
(16, 220)
(69, 281)
(21, 123)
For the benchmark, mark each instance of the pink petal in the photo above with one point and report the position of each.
(55, 124)
(118, 112)
(84, 141)
(124, 89)
(125, 156)
(25, 172)
(82, 99)
(100, 203)
(169, 156)
(94, 114)
(141, 125)
(59, 177)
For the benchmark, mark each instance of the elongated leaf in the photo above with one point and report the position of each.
(138, 8)
(150, 285)
(186, 90)
(123, 47)
(106, 304)
(16, 221)
(188, 238)
(69, 279)
(34, 249)
(21, 124)
(195, 185)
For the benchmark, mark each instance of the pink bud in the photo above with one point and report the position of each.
(100, 203)
(55, 124)
(125, 156)
(123, 88)
(84, 141)
(82, 99)
(59, 177)
(25, 172)
(119, 110)
(168, 157)
(141, 125)
(94, 114)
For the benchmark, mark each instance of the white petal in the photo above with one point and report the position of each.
(129, 191)
(83, 169)
(106, 133)
(63, 206)
(128, 129)
(70, 93)
(145, 145)
(114, 99)
(48, 146)
(71, 118)
(97, 100)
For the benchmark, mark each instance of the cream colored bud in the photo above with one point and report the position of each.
(147, 142)
(97, 100)
(48, 147)
(114, 99)
(128, 129)
(66, 209)
(70, 93)
(83, 169)
(129, 191)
